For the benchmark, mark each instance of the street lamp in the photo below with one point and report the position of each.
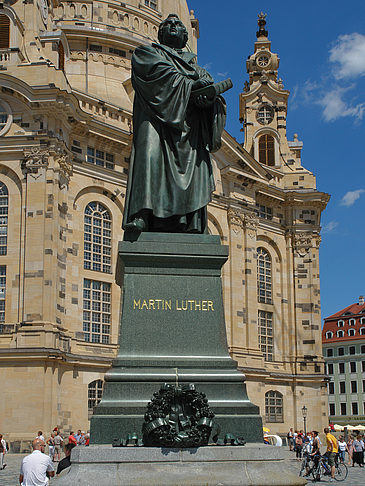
(304, 413)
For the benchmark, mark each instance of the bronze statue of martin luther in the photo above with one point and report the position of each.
(170, 177)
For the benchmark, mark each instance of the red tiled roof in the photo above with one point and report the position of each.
(353, 308)
(356, 312)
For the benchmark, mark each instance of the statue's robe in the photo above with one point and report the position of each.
(170, 174)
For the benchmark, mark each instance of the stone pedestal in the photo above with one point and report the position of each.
(206, 466)
(172, 330)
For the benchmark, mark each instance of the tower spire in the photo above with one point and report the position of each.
(262, 32)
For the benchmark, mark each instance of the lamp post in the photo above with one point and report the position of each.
(304, 413)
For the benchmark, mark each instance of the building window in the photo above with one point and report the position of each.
(353, 366)
(97, 238)
(363, 386)
(94, 394)
(352, 322)
(4, 209)
(341, 323)
(151, 4)
(274, 407)
(263, 211)
(363, 366)
(353, 386)
(331, 388)
(99, 157)
(355, 408)
(4, 32)
(330, 368)
(266, 334)
(332, 409)
(267, 150)
(362, 320)
(341, 368)
(362, 332)
(343, 408)
(351, 332)
(2, 294)
(264, 289)
(342, 387)
(265, 114)
(352, 350)
(329, 352)
(341, 351)
(96, 311)
(329, 335)
(340, 334)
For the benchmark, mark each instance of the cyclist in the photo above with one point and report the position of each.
(315, 453)
(332, 450)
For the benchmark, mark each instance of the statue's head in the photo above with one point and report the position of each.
(172, 32)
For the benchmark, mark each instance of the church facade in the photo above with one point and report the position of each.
(66, 129)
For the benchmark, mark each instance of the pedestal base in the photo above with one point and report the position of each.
(206, 466)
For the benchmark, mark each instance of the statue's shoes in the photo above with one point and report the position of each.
(137, 225)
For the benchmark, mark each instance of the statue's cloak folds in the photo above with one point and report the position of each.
(170, 169)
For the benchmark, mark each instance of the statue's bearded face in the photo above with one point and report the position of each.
(172, 33)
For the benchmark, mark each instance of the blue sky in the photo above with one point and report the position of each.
(321, 45)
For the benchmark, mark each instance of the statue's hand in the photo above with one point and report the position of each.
(203, 101)
(200, 83)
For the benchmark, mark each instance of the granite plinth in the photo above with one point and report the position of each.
(172, 329)
(206, 466)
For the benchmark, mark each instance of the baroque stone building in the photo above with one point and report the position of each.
(65, 138)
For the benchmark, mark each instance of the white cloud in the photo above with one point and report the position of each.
(327, 228)
(335, 106)
(350, 197)
(348, 54)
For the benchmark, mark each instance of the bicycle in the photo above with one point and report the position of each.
(324, 469)
(305, 464)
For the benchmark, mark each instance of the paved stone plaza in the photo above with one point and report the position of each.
(9, 476)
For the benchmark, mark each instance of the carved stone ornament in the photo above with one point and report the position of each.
(65, 166)
(251, 222)
(235, 219)
(302, 243)
(177, 416)
(35, 158)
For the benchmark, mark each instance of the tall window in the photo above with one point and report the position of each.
(4, 32)
(274, 407)
(97, 238)
(99, 157)
(266, 334)
(267, 150)
(97, 311)
(332, 409)
(151, 3)
(2, 294)
(94, 394)
(61, 57)
(264, 289)
(4, 207)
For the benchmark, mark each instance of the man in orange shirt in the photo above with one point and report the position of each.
(332, 450)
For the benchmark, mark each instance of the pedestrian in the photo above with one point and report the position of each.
(82, 439)
(290, 437)
(71, 438)
(299, 446)
(58, 443)
(37, 467)
(40, 435)
(342, 448)
(51, 446)
(332, 450)
(66, 461)
(2, 452)
(315, 453)
(77, 436)
(357, 454)
(350, 448)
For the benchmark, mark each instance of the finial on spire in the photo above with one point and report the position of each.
(262, 32)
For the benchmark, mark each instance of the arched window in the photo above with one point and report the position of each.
(274, 407)
(352, 322)
(4, 32)
(4, 209)
(264, 289)
(329, 335)
(97, 238)
(267, 150)
(266, 338)
(351, 332)
(94, 394)
(340, 334)
(340, 323)
(362, 331)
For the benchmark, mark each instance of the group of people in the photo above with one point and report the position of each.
(37, 467)
(355, 447)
